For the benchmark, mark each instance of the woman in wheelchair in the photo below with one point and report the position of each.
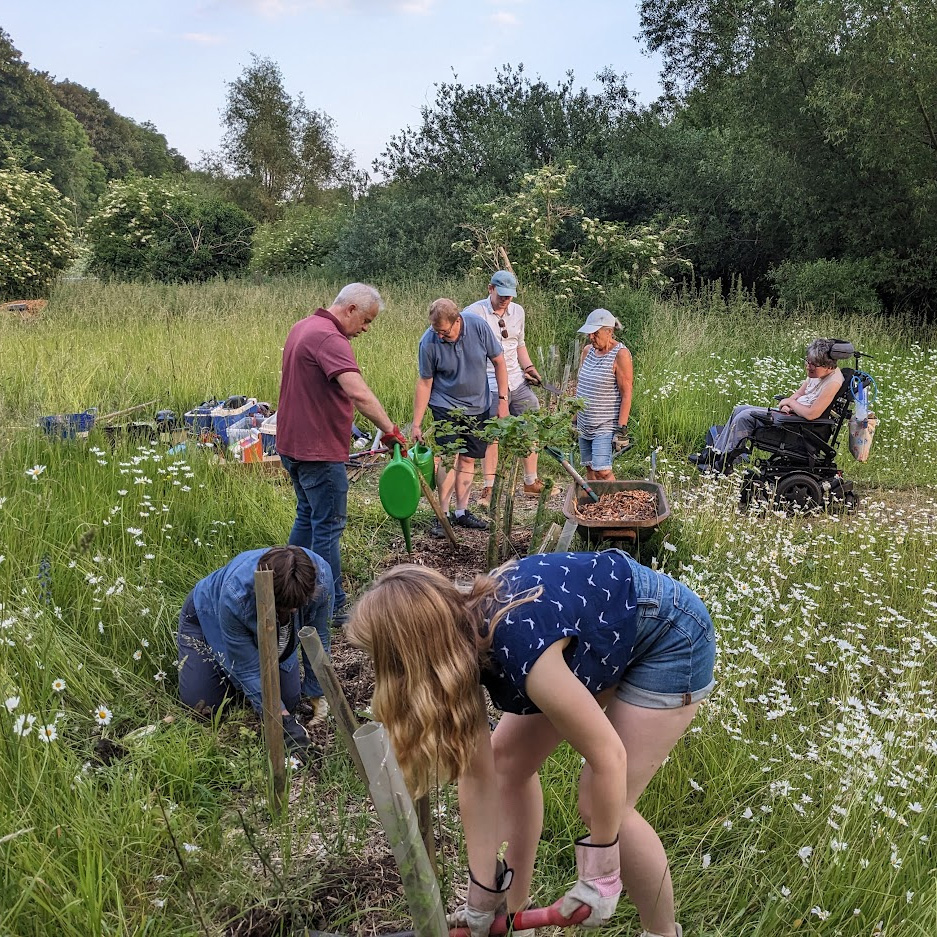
(810, 401)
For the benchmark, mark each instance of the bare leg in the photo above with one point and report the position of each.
(445, 481)
(490, 464)
(648, 736)
(464, 473)
(604, 475)
(530, 464)
(521, 745)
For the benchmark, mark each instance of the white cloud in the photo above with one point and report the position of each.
(206, 39)
(504, 18)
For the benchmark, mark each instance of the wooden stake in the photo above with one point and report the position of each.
(270, 682)
(338, 704)
(437, 507)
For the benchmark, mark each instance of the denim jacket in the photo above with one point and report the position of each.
(227, 612)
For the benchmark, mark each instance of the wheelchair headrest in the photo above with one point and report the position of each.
(842, 350)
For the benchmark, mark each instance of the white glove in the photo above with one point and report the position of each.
(599, 885)
(483, 905)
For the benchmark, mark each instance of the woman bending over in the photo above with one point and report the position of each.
(592, 648)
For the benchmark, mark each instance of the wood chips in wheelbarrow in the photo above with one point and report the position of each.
(629, 505)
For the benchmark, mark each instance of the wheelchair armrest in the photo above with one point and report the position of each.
(793, 418)
(779, 396)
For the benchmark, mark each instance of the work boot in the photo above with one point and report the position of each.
(469, 520)
(484, 499)
(435, 529)
(534, 489)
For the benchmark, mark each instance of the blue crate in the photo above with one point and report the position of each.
(222, 417)
(67, 425)
(198, 419)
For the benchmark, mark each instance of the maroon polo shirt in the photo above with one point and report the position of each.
(315, 415)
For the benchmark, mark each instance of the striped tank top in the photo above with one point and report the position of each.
(598, 386)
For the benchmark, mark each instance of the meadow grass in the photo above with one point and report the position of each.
(801, 801)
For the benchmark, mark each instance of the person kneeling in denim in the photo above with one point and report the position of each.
(217, 638)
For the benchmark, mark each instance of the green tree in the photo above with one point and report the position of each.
(36, 239)
(159, 229)
(816, 124)
(288, 152)
(120, 145)
(41, 135)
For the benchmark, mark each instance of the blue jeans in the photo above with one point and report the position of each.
(596, 453)
(675, 646)
(321, 513)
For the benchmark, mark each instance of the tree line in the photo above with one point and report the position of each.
(794, 149)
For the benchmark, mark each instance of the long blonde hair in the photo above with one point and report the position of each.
(425, 637)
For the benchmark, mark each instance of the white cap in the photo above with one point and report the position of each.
(598, 319)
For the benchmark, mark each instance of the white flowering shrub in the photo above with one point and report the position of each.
(553, 244)
(36, 238)
(158, 229)
(302, 240)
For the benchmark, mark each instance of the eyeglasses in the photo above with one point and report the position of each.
(445, 333)
(501, 325)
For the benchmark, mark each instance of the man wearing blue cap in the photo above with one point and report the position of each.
(506, 320)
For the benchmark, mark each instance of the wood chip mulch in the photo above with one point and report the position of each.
(620, 506)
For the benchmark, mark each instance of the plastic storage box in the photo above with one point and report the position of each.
(198, 419)
(268, 434)
(224, 416)
(67, 425)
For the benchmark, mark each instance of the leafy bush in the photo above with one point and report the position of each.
(847, 285)
(159, 229)
(300, 241)
(531, 224)
(35, 235)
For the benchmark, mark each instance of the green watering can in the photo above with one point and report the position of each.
(399, 489)
(422, 457)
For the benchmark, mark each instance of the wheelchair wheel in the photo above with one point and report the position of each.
(799, 491)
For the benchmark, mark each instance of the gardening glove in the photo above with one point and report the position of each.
(395, 436)
(483, 905)
(621, 441)
(295, 736)
(599, 882)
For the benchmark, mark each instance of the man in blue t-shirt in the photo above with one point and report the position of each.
(454, 355)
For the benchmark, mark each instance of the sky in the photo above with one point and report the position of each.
(369, 64)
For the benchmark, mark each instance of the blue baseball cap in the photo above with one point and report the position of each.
(505, 283)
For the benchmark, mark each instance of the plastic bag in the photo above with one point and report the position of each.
(861, 397)
(861, 433)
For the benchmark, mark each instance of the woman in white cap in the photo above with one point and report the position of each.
(605, 379)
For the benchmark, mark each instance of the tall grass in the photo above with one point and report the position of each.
(804, 794)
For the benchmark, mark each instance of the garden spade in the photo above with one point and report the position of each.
(576, 477)
(520, 920)
(399, 490)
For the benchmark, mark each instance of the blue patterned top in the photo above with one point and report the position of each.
(589, 597)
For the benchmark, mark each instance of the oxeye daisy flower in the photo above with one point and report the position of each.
(58, 685)
(11, 702)
(23, 725)
(103, 716)
(35, 471)
(48, 733)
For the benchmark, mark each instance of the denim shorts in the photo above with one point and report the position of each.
(675, 646)
(596, 453)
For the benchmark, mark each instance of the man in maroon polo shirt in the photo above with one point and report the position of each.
(320, 390)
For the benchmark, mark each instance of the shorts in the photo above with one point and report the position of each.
(596, 453)
(675, 646)
(472, 446)
(520, 400)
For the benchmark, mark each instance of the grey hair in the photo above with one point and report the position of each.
(359, 294)
(819, 352)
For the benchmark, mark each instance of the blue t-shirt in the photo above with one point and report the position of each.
(459, 369)
(589, 597)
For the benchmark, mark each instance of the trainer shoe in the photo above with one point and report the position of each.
(484, 499)
(320, 706)
(534, 489)
(469, 520)
(435, 529)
